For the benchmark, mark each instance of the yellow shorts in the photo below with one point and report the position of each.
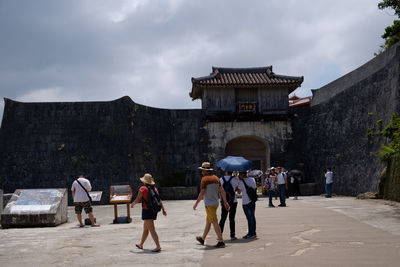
(211, 212)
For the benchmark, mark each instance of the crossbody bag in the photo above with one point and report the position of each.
(87, 193)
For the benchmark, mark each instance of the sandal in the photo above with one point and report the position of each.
(139, 246)
(156, 250)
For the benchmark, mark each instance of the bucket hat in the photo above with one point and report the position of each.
(147, 179)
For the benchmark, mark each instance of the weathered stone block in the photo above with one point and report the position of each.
(6, 198)
(35, 207)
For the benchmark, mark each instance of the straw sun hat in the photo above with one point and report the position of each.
(147, 179)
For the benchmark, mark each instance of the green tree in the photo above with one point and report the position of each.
(394, 4)
(392, 33)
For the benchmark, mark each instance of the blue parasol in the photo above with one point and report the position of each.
(231, 163)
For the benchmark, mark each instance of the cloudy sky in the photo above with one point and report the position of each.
(90, 50)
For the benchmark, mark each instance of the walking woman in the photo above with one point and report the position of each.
(148, 215)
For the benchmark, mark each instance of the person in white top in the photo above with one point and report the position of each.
(249, 207)
(329, 182)
(81, 199)
(282, 187)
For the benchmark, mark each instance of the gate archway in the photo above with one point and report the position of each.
(252, 148)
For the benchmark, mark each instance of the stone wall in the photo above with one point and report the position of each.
(1, 201)
(178, 192)
(275, 135)
(333, 131)
(46, 145)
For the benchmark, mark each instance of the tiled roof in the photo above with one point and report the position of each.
(301, 102)
(242, 76)
(294, 97)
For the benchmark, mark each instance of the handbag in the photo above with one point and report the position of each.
(90, 198)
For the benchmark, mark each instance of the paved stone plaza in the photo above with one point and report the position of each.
(312, 231)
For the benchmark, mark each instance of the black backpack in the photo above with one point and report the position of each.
(153, 200)
(251, 192)
(230, 193)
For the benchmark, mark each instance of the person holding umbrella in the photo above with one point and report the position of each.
(229, 183)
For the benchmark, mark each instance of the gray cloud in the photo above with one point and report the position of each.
(149, 50)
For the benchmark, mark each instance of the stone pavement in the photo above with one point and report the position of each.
(312, 231)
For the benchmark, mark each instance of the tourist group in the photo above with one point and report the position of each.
(213, 190)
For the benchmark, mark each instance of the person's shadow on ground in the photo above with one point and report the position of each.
(227, 242)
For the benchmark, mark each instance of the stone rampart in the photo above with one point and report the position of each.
(333, 131)
(45, 145)
(1, 201)
(178, 192)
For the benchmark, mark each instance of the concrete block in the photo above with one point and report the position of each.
(36, 207)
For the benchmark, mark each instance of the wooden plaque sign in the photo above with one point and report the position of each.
(121, 194)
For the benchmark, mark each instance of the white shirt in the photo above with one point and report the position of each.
(80, 194)
(329, 177)
(281, 178)
(234, 183)
(250, 182)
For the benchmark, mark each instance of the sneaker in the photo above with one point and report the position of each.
(200, 239)
(246, 236)
(233, 238)
(271, 206)
(252, 236)
(220, 245)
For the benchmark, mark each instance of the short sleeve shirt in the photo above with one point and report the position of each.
(80, 194)
(281, 178)
(145, 192)
(329, 177)
(211, 184)
(250, 182)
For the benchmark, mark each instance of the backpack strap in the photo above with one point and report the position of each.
(87, 193)
(245, 185)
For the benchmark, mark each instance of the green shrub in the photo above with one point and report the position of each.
(392, 132)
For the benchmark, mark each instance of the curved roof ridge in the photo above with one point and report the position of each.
(296, 78)
(242, 70)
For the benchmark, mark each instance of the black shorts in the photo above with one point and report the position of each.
(149, 215)
(83, 205)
